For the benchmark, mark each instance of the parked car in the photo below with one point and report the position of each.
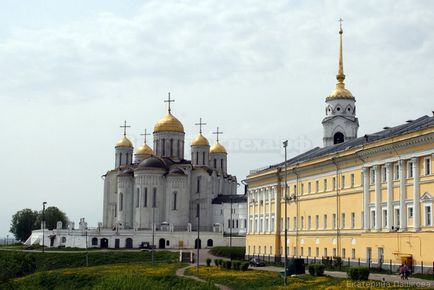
(256, 262)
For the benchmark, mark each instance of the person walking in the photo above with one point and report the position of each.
(406, 271)
(401, 271)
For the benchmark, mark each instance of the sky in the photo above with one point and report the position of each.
(72, 71)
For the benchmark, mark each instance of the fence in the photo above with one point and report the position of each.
(340, 264)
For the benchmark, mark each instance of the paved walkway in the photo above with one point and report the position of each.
(392, 279)
(181, 273)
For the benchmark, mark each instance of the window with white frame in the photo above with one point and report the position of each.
(383, 174)
(397, 217)
(428, 215)
(344, 252)
(334, 183)
(385, 218)
(372, 176)
(342, 181)
(317, 186)
(352, 180)
(325, 184)
(353, 253)
(309, 187)
(353, 220)
(302, 188)
(317, 252)
(373, 219)
(396, 171)
(410, 169)
(343, 220)
(410, 212)
(272, 223)
(427, 166)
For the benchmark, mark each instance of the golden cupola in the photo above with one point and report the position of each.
(200, 140)
(124, 142)
(217, 147)
(340, 92)
(144, 149)
(169, 124)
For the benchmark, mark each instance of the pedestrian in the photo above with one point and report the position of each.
(401, 271)
(406, 271)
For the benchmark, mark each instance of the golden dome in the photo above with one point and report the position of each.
(124, 142)
(169, 124)
(340, 93)
(144, 150)
(217, 148)
(200, 140)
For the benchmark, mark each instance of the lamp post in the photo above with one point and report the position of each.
(153, 231)
(230, 227)
(43, 226)
(285, 145)
(198, 232)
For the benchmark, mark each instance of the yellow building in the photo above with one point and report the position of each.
(367, 198)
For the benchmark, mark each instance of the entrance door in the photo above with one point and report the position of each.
(129, 243)
(104, 243)
(162, 244)
(197, 244)
(117, 243)
(380, 257)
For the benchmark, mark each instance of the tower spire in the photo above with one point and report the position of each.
(340, 76)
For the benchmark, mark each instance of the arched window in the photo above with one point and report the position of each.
(145, 198)
(164, 148)
(138, 197)
(203, 158)
(215, 163)
(221, 163)
(174, 200)
(171, 147)
(94, 242)
(121, 201)
(338, 138)
(209, 243)
(120, 159)
(63, 240)
(197, 157)
(154, 197)
(198, 184)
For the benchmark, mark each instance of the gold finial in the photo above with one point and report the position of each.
(125, 128)
(340, 76)
(200, 125)
(145, 134)
(169, 100)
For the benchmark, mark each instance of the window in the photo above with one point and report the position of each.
(154, 197)
(288, 222)
(198, 184)
(175, 195)
(164, 147)
(171, 147)
(145, 198)
(342, 181)
(309, 222)
(203, 158)
(197, 157)
(353, 253)
(353, 220)
(373, 218)
(384, 218)
(343, 221)
(397, 217)
(334, 221)
(352, 180)
(309, 187)
(325, 221)
(309, 251)
(221, 164)
(372, 176)
(396, 171)
(383, 174)
(325, 184)
(215, 163)
(317, 221)
(410, 169)
(295, 223)
(427, 166)
(344, 252)
(302, 222)
(410, 212)
(120, 159)
(316, 186)
(302, 251)
(302, 188)
(325, 252)
(334, 252)
(362, 219)
(138, 197)
(198, 210)
(334, 183)
(295, 189)
(428, 215)
(317, 252)
(272, 223)
(121, 201)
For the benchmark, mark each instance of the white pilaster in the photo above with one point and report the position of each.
(416, 194)
(402, 196)
(366, 198)
(389, 177)
(378, 213)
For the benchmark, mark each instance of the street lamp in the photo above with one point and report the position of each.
(43, 226)
(198, 232)
(153, 229)
(230, 227)
(285, 145)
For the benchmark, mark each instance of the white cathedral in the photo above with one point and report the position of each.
(156, 194)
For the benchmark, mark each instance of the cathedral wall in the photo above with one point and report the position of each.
(110, 200)
(177, 201)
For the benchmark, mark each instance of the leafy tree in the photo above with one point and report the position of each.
(52, 216)
(23, 222)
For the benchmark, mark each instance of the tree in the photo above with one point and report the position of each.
(52, 216)
(23, 223)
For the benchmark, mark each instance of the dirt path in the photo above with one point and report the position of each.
(181, 273)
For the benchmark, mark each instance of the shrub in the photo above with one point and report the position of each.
(235, 253)
(236, 265)
(216, 262)
(358, 273)
(208, 262)
(244, 266)
(337, 262)
(316, 269)
(227, 264)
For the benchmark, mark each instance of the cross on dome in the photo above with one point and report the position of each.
(125, 127)
(145, 134)
(217, 133)
(169, 100)
(200, 125)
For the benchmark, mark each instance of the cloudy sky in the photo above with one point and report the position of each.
(72, 71)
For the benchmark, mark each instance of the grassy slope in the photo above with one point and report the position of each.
(126, 276)
(253, 279)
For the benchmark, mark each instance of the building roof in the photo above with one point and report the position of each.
(236, 198)
(408, 127)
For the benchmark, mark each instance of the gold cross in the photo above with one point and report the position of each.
(217, 133)
(169, 100)
(125, 127)
(145, 134)
(200, 125)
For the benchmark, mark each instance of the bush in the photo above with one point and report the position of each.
(227, 264)
(208, 262)
(16, 264)
(358, 273)
(316, 269)
(219, 262)
(337, 262)
(244, 266)
(216, 262)
(235, 253)
(237, 265)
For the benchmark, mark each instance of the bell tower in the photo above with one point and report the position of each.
(340, 123)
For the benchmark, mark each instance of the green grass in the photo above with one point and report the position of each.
(423, 276)
(255, 279)
(121, 276)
